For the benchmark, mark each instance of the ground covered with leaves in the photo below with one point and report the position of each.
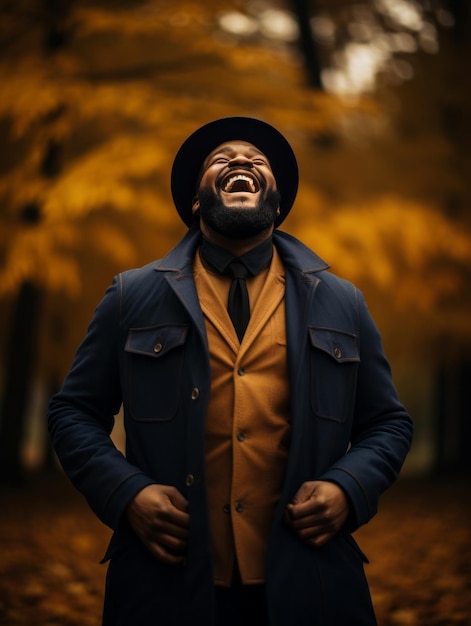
(419, 546)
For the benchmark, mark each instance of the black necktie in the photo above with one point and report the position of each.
(238, 304)
(251, 263)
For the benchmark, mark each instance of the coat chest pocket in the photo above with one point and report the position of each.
(334, 361)
(154, 370)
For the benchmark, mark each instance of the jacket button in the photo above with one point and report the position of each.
(195, 393)
(157, 347)
(226, 508)
(239, 507)
(337, 352)
(241, 371)
(190, 480)
(240, 436)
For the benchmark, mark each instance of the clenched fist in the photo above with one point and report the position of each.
(318, 511)
(158, 515)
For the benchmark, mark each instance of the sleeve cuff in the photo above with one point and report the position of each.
(361, 510)
(122, 496)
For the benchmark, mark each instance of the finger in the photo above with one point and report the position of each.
(311, 521)
(169, 513)
(304, 492)
(314, 525)
(318, 528)
(177, 499)
(319, 540)
(163, 527)
(172, 544)
(174, 517)
(161, 543)
(303, 509)
(164, 556)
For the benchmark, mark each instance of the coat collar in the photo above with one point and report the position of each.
(297, 255)
(293, 252)
(181, 256)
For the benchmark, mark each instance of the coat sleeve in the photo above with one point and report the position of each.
(81, 417)
(381, 432)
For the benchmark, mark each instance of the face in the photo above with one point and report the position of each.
(237, 194)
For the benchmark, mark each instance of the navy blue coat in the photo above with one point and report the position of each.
(348, 427)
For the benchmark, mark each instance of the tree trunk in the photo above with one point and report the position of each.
(453, 442)
(307, 43)
(19, 363)
(21, 346)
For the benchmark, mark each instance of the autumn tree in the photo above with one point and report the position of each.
(95, 99)
(21, 339)
(413, 56)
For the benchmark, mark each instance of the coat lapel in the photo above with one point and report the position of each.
(301, 266)
(178, 269)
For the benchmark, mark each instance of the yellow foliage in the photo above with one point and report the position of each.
(28, 93)
(133, 81)
(36, 254)
(113, 244)
(409, 250)
(107, 176)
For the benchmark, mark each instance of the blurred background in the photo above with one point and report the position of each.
(374, 96)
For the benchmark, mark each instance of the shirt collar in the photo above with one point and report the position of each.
(255, 260)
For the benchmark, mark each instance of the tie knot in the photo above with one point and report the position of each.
(236, 269)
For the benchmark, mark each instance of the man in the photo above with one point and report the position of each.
(258, 436)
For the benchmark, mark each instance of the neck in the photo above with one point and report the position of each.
(237, 247)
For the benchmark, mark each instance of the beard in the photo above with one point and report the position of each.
(238, 222)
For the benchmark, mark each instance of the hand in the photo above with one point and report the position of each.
(318, 511)
(158, 515)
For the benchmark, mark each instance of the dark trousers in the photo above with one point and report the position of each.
(241, 605)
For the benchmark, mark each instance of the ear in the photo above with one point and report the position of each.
(278, 211)
(195, 207)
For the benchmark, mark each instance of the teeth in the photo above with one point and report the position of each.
(240, 177)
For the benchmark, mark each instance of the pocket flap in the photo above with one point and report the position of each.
(157, 340)
(341, 346)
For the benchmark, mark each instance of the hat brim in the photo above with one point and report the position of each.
(195, 149)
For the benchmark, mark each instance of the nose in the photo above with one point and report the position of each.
(240, 159)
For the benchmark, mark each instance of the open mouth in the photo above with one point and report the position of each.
(234, 183)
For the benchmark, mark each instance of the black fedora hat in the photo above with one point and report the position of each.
(195, 149)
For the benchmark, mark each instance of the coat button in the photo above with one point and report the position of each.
(239, 507)
(226, 508)
(190, 480)
(195, 393)
(337, 352)
(158, 347)
(240, 436)
(241, 371)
